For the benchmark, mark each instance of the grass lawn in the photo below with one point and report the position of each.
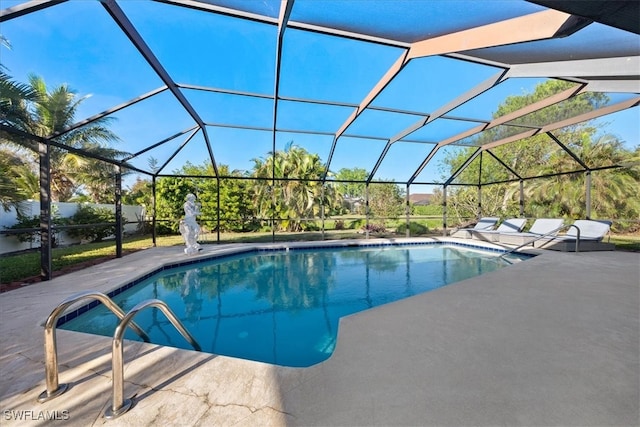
(626, 242)
(26, 266)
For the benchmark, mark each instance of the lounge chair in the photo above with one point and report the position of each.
(582, 235)
(539, 228)
(511, 225)
(486, 223)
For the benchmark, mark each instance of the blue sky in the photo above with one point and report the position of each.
(79, 44)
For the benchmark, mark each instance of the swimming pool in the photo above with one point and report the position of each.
(283, 306)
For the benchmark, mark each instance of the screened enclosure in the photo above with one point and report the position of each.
(310, 115)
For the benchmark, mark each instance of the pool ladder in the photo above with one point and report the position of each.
(119, 405)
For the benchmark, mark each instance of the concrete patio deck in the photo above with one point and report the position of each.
(552, 341)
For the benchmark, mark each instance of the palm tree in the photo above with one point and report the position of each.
(10, 194)
(14, 173)
(53, 112)
(92, 177)
(13, 102)
(290, 201)
(12, 170)
(614, 193)
(14, 97)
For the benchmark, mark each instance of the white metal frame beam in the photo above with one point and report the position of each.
(535, 26)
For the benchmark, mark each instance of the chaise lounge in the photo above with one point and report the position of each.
(511, 225)
(582, 235)
(486, 223)
(540, 227)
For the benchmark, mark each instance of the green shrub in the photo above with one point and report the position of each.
(26, 222)
(309, 226)
(374, 228)
(357, 224)
(34, 222)
(103, 219)
(166, 228)
(265, 228)
(415, 228)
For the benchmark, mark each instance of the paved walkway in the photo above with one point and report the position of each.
(553, 341)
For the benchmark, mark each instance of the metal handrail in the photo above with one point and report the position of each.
(50, 348)
(542, 236)
(119, 405)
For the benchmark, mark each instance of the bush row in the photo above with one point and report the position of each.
(87, 223)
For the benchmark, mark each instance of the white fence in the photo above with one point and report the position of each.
(10, 243)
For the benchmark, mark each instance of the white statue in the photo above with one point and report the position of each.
(189, 228)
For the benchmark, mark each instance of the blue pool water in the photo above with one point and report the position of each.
(283, 307)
